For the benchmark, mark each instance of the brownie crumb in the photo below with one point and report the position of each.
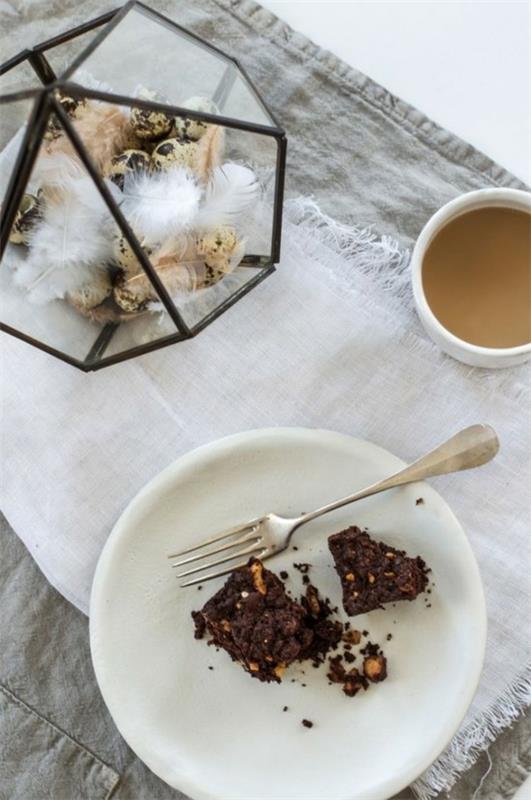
(349, 657)
(370, 649)
(419, 501)
(303, 567)
(285, 708)
(307, 723)
(327, 632)
(199, 588)
(211, 667)
(337, 671)
(354, 682)
(199, 624)
(284, 575)
(389, 637)
(295, 547)
(365, 633)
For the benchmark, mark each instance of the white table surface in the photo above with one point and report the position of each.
(466, 64)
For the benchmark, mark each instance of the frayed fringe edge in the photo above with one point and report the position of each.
(375, 256)
(466, 747)
(386, 263)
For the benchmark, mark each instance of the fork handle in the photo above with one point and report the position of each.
(469, 448)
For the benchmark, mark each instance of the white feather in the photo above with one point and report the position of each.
(73, 240)
(161, 204)
(232, 189)
(56, 170)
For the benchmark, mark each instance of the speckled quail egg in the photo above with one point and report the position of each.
(220, 242)
(70, 105)
(128, 161)
(186, 128)
(174, 152)
(124, 257)
(129, 297)
(150, 124)
(92, 294)
(27, 215)
(211, 276)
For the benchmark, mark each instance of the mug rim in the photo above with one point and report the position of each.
(478, 198)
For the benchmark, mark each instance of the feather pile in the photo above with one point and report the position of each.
(162, 204)
(183, 204)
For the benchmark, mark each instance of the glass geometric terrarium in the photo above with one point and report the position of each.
(141, 182)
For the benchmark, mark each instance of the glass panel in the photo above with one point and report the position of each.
(19, 78)
(60, 56)
(147, 56)
(58, 273)
(259, 152)
(241, 103)
(196, 307)
(12, 129)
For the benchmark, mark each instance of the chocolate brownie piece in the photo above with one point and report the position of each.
(254, 620)
(373, 573)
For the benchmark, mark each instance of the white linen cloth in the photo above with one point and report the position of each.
(331, 340)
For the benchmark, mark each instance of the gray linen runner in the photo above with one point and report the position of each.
(369, 158)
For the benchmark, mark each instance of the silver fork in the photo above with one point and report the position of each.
(265, 536)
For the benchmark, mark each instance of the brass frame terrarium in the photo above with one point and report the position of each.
(46, 105)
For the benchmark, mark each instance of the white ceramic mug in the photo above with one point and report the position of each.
(464, 351)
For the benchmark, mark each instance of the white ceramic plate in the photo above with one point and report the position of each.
(222, 734)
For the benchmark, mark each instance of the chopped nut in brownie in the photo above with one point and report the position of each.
(254, 620)
(373, 573)
(375, 668)
(374, 663)
(352, 636)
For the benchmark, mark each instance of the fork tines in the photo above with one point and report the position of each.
(244, 540)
